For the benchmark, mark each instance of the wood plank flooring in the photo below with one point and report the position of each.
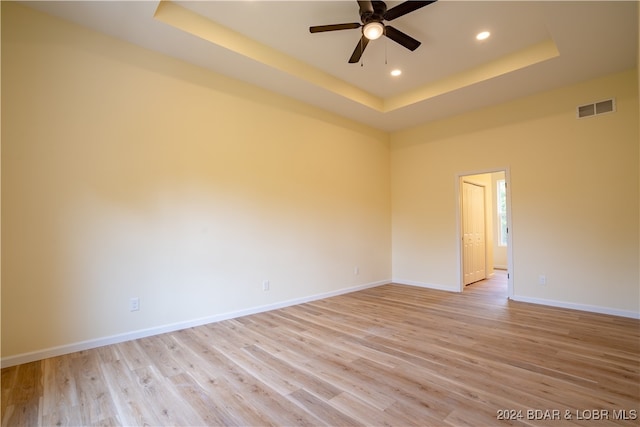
(390, 355)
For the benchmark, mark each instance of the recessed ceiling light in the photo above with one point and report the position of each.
(396, 72)
(483, 35)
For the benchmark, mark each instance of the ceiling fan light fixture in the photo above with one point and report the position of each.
(373, 30)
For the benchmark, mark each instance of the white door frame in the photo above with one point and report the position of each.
(507, 177)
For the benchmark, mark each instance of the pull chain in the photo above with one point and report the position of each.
(385, 51)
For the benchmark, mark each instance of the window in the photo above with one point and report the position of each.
(502, 212)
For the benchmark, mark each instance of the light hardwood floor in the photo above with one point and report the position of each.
(390, 355)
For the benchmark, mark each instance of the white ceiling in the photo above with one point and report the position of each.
(534, 46)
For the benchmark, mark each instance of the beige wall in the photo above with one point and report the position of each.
(126, 173)
(574, 194)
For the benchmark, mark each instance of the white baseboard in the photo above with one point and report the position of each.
(576, 306)
(426, 285)
(142, 333)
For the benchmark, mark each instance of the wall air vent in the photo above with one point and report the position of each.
(597, 108)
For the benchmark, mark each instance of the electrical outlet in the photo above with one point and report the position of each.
(134, 304)
(265, 285)
(542, 279)
(356, 270)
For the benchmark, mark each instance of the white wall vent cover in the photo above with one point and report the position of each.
(601, 107)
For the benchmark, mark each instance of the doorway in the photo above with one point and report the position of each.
(483, 218)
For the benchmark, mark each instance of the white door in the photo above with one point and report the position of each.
(473, 232)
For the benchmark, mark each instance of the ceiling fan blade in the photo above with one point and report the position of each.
(334, 27)
(365, 6)
(401, 38)
(359, 50)
(404, 8)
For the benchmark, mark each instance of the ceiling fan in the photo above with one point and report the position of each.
(372, 15)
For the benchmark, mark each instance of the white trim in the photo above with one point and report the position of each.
(426, 285)
(510, 268)
(142, 333)
(577, 306)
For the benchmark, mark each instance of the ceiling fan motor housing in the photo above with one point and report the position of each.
(379, 9)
